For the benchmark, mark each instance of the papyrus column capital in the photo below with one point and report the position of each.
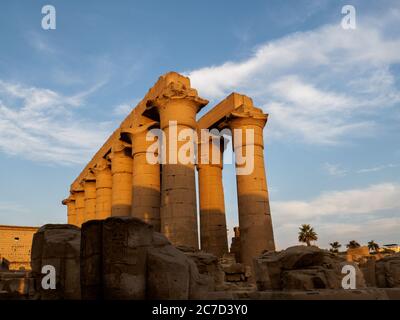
(179, 103)
(138, 136)
(210, 150)
(101, 165)
(246, 116)
(176, 91)
(117, 147)
(89, 177)
(120, 156)
(68, 200)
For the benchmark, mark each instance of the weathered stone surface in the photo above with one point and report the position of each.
(235, 244)
(325, 294)
(302, 268)
(210, 270)
(359, 254)
(15, 247)
(168, 274)
(17, 285)
(388, 272)
(125, 244)
(4, 264)
(234, 268)
(91, 260)
(368, 268)
(123, 258)
(58, 246)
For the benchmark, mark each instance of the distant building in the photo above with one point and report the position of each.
(392, 246)
(15, 246)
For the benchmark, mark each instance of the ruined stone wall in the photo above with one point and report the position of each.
(15, 245)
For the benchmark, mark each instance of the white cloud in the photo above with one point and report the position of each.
(125, 108)
(378, 168)
(365, 213)
(335, 170)
(39, 124)
(354, 201)
(318, 86)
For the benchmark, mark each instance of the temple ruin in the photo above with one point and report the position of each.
(119, 181)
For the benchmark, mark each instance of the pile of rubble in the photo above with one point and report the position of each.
(302, 268)
(124, 258)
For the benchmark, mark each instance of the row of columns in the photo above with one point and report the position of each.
(124, 183)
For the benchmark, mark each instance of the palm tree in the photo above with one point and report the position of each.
(335, 247)
(307, 234)
(353, 244)
(373, 246)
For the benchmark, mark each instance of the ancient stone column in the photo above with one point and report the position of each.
(256, 234)
(178, 105)
(121, 170)
(79, 195)
(102, 171)
(145, 177)
(213, 233)
(89, 185)
(71, 213)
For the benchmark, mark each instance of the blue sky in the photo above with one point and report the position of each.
(332, 140)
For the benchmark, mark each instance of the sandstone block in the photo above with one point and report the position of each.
(388, 272)
(58, 246)
(168, 274)
(302, 268)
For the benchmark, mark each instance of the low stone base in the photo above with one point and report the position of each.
(16, 285)
(326, 294)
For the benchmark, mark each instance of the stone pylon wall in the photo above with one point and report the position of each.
(119, 181)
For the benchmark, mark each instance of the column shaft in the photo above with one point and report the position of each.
(213, 233)
(79, 207)
(145, 179)
(71, 212)
(89, 185)
(103, 189)
(177, 106)
(256, 234)
(121, 169)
